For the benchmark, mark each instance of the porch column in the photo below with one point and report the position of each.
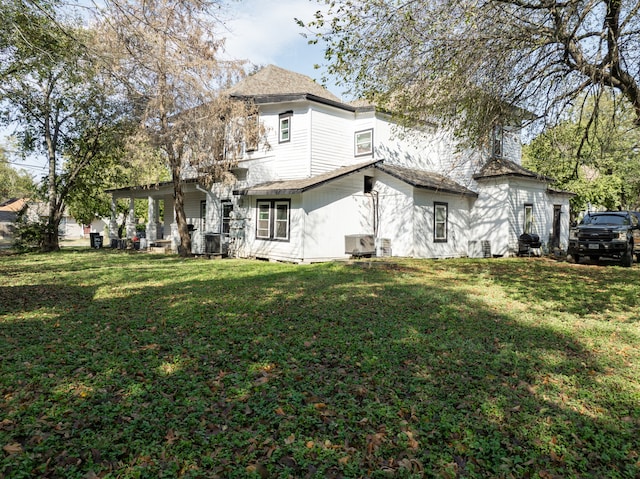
(152, 225)
(131, 219)
(113, 222)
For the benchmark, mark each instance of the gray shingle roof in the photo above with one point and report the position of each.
(426, 180)
(275, 81)
(292, 187)
(497, 167)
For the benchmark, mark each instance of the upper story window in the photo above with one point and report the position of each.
(363, 142)
(497, 142)
(252, 136)
(284, 134)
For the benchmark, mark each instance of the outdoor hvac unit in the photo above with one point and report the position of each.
(360, 245)
(214, 244)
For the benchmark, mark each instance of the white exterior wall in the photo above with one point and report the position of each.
(331, 141)
(319, 221)
(457, 226)
(489, 217)
(396, 214)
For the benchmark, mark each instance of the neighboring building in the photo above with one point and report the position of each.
(341, 179)
(34, 211)
(9, 211)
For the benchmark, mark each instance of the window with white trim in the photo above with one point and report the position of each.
(273, 220)
(284, 134)
(363, 142)
(440, 220)
(528, 218)
(497, 142)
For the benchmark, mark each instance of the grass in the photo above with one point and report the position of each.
(132, 366)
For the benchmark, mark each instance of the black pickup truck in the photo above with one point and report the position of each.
(610, 234)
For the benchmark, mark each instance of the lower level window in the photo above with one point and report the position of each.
(273, 219)
(440, 219)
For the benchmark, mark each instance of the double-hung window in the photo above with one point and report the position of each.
(273, 220)
(363, 143)
(440, 220)
(227, 208)
(528, 218)
(284, 133)
(497, 142)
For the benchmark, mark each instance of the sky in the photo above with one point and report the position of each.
(262, 32)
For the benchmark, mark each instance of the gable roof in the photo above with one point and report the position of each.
(293, 187)
(14, 205)
(426, 180)
(501, 167)
(273, 81)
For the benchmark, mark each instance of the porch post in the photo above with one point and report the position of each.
(152, 225)
(113, 221)
(131, 219)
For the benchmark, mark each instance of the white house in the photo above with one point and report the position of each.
(341, 179)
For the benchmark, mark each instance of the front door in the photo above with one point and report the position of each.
(555, 234)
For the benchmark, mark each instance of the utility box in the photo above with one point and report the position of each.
(360, 245)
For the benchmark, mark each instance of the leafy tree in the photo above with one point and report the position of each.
(13, 183)
(595, 154)
(66, 108)
(168, 52)
(465, 61)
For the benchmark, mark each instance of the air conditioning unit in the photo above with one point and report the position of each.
(214, 244)
(360, 245)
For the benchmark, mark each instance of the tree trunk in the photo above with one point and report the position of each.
(50, 236)
(184, 249)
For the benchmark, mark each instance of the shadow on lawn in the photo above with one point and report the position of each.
(577, 289)
(320, 371)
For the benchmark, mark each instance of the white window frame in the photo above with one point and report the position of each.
(278, 223)
(284, 132)
(269, 226)
(363, 142)
(263, 231)
(497, 142)
(440, 235)
(527, 226)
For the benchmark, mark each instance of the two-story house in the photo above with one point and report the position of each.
(341, 179)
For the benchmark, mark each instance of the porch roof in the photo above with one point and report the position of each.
(426, 180)
(293, 187)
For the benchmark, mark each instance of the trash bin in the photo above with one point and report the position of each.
(95, 240)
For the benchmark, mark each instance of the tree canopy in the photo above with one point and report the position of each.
(13, 183)
(167, 53)
(64, 104)
(595, 155)
(468, 61)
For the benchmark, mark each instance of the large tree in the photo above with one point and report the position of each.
(595, 155)
(64, 105)
(168, 53)
(466, 60)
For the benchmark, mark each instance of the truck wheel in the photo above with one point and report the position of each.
(626, 259)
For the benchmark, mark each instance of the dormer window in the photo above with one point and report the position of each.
(497, 142)
(285, 127)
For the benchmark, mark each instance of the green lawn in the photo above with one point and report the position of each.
(139, 366)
